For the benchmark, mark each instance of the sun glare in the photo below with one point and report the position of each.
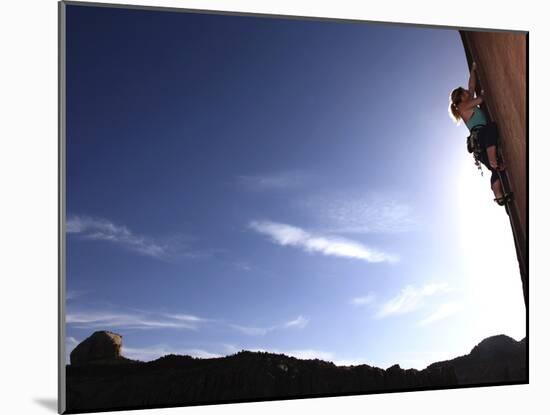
(493, 278)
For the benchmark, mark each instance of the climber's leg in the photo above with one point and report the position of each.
(492, 156)
(497, 188)
(488, 139)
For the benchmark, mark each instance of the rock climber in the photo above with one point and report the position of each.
(464, 105)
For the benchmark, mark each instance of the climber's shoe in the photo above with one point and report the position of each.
(499, 166)
(503, 200)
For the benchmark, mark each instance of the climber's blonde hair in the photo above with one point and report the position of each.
(454, 99)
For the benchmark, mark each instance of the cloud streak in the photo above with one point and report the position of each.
(299, 322)
(409, 299)
(287, 235)
(141, 321)
(363, 301)
(251, 331)
(100, 229)
(273, 181)
(353, 212)
(73, 294)
(441, 313)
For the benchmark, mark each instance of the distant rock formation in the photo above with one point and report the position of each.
(495, 359)
(174, 380)
(102, 347)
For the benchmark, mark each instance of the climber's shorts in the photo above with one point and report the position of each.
(488, 135)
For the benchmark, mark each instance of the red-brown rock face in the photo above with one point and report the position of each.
(502, 73)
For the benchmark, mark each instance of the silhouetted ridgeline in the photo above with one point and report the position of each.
(101, 383)
(495, 359)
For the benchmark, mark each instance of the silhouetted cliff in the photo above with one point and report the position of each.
(182, 380)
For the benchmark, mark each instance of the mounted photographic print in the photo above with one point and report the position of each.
(264, 207)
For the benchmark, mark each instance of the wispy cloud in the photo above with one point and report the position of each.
(251, 331)
(442, 312)
(287, 235)
(187, 318)
(299, 322)
(353, 212)
(73, 294)
(104, 230)
(273, 181)
(363, 301)
(410, 299)
(145, 321)
(100, 229)
(242, 265)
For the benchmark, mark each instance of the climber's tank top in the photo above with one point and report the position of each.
(477, 119)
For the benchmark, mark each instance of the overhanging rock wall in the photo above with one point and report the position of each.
(502, 73)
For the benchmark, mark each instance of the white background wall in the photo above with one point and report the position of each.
(28, 204)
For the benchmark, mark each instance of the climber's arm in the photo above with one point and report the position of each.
(468, 105)
(472, 80)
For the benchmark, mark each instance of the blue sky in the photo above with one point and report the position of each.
(274, 184)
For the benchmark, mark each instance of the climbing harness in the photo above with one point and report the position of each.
(472, 143)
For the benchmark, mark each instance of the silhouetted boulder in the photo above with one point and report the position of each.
(102, 347)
